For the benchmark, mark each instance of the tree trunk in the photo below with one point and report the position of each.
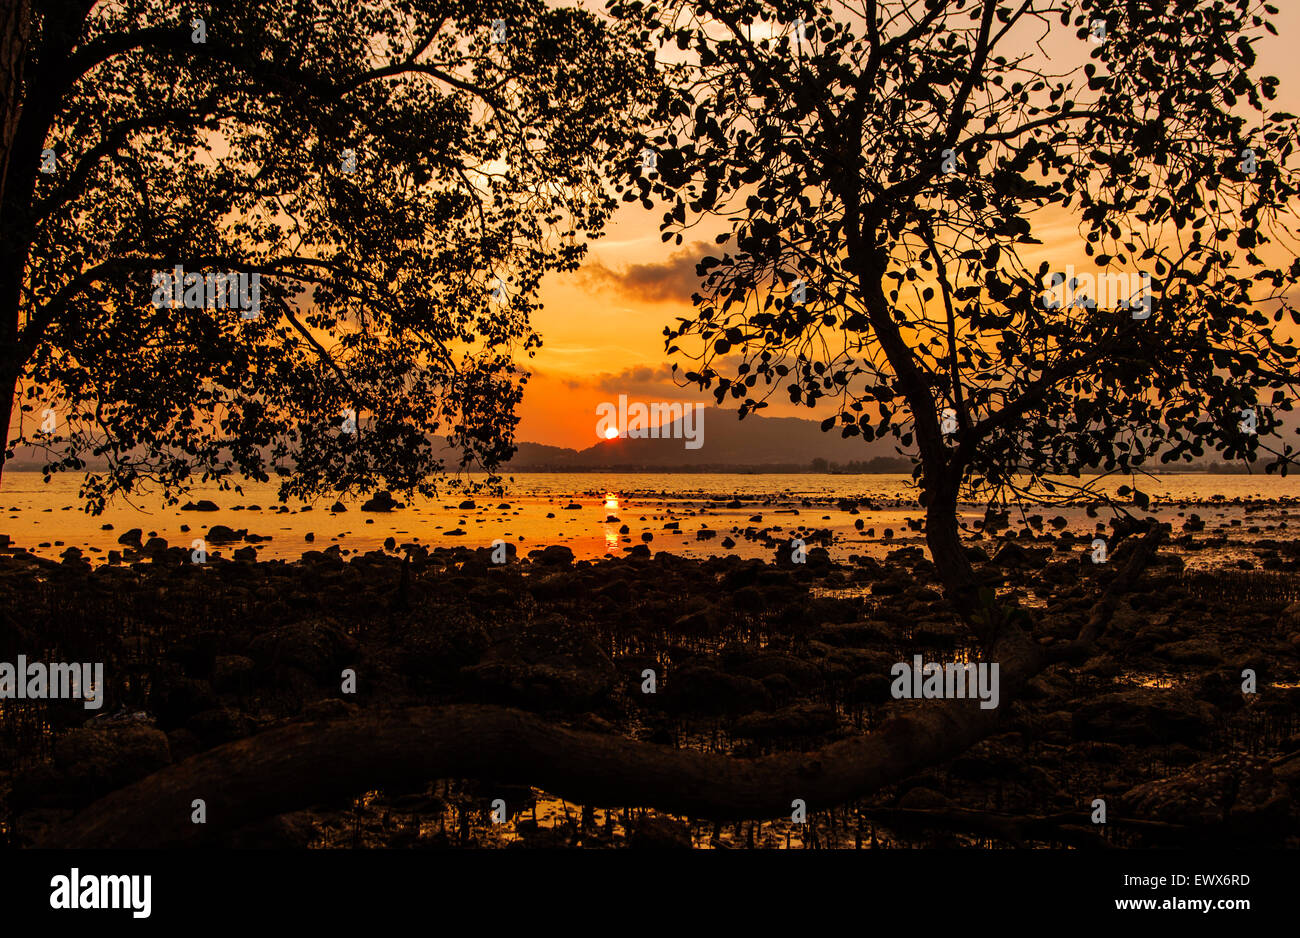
(943, 538)
(15, 29)
(15, 23)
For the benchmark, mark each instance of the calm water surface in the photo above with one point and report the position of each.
(536, 511)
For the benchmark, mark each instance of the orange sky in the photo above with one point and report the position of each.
(602, 327)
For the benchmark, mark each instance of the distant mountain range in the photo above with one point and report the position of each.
(725, 441)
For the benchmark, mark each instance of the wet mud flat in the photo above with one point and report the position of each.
(749, 656)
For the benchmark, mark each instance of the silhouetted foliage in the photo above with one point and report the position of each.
(378, 165)
(904, 164)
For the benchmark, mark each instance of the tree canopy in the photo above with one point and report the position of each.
(398, 175)
(891, 180)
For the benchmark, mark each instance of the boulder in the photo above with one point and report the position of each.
(219, 533)
(803, 675)
(548, 664)
(91, 761)
(1145, 715)
(801, 720)
(1236, 791)
(696, 688)
(1196, 651)
(131, 538)
(317, 647)
(556, 555)
(381, 501)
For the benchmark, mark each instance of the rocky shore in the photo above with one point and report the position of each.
(749, 657)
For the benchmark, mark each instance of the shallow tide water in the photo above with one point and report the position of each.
(686, 514)
(535, 512)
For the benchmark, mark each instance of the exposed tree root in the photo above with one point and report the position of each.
(302, 764)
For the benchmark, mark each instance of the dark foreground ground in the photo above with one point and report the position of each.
(751, 657)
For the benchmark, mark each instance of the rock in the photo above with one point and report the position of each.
(1013, 555)
(381, 501)
(548, 664)
(91, 761)
(844, 664)
(616, 591)
(467, 505)
(246, 553)
(1237, 791)
(556, 555)
(854, 634)
(999, 757)
(203, 505)
(317, 647)
(1145, 715)
(155, 545)
(699, 622)
(660, 833)
(695, 688)
(219, 533)
(802, 720)
(922, 799)
(938, 634)
(219, 725)
(803, 675)
(232, 672)
(869, 689)
(338, 507)
(175, 697)
(131, 538)
(1192, 651)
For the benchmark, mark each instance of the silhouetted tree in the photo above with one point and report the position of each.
(886, 181)
(398, 175)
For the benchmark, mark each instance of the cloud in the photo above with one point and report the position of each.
(638, 381)
(671, 280)
(643, 380)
